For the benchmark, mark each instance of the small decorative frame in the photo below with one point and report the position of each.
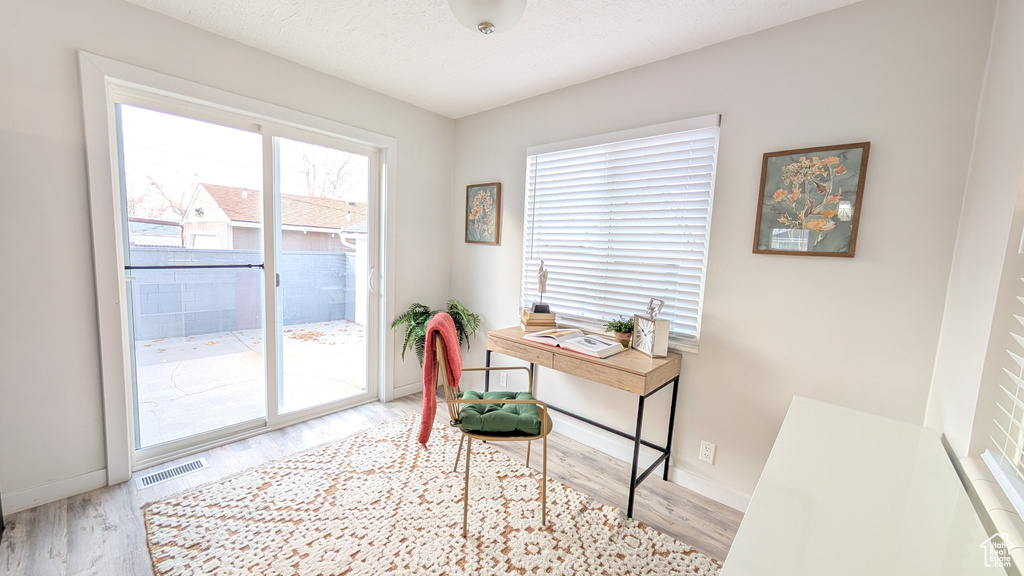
(483, 213)
(812, 206)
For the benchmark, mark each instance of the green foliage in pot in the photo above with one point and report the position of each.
(417, 316)
(622, 325)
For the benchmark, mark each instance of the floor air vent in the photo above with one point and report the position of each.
(171, 473)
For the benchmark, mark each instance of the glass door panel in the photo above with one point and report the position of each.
(193, 231)
(199, 366)
(323, 268)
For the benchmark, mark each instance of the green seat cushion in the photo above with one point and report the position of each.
(498, 417)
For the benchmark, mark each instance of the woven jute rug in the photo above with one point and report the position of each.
(377, 503)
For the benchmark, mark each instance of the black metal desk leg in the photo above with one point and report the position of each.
(636, 454)
(671, 425)
(487, 373)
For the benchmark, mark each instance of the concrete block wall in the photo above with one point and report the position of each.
(313, 286)
(316, 287)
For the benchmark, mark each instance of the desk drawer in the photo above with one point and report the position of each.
(521, 351)
(600, 373)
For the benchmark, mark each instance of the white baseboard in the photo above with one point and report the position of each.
(615, 446)
(622, 449)
(406, 389)
(25, 499)
(721, 494)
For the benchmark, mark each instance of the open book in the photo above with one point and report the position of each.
(576, 341)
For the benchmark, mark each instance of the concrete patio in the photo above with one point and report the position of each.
(193, 384)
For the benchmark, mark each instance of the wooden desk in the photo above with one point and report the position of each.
(630, 371)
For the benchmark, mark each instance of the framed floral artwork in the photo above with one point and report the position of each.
(810, 199)
(483, 213)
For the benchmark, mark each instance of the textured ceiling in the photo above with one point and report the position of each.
(416, 51)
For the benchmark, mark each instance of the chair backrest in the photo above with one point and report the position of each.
(450, 392)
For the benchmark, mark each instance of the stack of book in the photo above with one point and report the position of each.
(537, 321)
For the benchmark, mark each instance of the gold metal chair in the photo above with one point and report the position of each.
(455, 403)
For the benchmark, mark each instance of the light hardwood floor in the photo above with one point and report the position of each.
(101, 533)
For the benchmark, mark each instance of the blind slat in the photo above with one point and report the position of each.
(1009, 435)
(1018, 360)
(1018, 381)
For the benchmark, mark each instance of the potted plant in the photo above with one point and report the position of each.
(417, 316)
(623, 328)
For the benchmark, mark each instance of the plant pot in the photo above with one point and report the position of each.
(624, 338)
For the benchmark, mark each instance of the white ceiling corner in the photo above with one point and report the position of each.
(416, 51)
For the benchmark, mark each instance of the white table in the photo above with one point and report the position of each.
(850, 493)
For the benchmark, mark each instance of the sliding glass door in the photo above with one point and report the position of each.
(196, 287)
(247, 309)
(323, 267)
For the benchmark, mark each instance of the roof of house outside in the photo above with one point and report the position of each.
(244, 205)
(154, 227)
(150, 232)
(358, 228)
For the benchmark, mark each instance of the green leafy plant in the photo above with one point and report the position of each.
(417, 316)
(622, 325)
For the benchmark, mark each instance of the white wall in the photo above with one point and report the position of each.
(50, 403)
(862, 332)
(987, 265)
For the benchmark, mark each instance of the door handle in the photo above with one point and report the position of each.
(371, 285)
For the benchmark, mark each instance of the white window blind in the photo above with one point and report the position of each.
(1006, 460)
(619, 219)
(1010, 419)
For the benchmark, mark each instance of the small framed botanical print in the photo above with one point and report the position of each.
(483, 213)
(810, 199)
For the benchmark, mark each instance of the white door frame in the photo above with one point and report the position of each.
(272, 245)
(100, 78)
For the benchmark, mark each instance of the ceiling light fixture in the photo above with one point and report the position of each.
(488, 16)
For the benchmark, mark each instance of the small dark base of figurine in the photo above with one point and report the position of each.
(540, 308)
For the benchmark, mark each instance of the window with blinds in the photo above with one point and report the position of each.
(1006, 461)
(1010, 443)
(619, 219)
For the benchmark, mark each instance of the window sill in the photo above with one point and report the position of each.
(994, 508)
(684, 348)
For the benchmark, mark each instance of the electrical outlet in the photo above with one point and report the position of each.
(503, 382)
(707, 452)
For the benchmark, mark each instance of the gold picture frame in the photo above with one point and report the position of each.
(483, 213)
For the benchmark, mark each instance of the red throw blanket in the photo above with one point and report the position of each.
(441, 324)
